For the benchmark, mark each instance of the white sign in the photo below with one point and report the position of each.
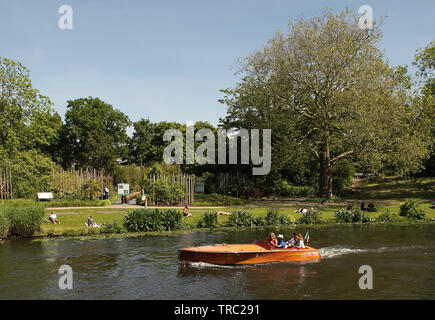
(123, 189)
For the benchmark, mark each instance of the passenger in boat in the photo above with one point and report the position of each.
(293, 240)
(299, 242)
(186, 211)
(271, 241)
(281, 242)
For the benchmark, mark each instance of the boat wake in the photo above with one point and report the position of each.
(336, 251)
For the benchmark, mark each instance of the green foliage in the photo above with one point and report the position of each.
(23, 221)
(259, 221)
(168, 193)
(208, 220)
(357, 215)
(386, 217)
(241, 218)
(272, 218)
(27, 119)
(3, 224)
(113, 227)
(286, 83)
(214, 199)
(309, 218)
(285, 189)
(143, 220)
(31, 172)
(94, 134)
(92, 189)
(411, 210)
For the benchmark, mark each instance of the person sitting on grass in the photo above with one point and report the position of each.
(186, 211)
(53, 218)
(91, 223)
(371, 207)
(281, 242)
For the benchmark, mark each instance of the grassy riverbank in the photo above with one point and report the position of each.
(73, 220)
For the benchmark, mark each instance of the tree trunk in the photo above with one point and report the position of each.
(325, 181)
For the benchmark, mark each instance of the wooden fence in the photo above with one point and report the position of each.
(68, 182)
(6, 190)
(187, 180)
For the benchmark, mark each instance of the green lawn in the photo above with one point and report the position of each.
(395, 188)
(74, 224)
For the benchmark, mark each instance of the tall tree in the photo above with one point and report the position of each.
(94, 133)
(27, 119)
(327, 92)
(425, 63)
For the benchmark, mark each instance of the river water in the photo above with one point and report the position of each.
(402, 258)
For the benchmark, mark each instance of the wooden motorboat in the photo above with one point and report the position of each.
(258, 252)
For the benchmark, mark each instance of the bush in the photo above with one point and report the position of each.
(208, 220)
(309, 218)
(23, 221)
(272, 218)
(168, 193)
(143, 220)
(357, 215)
(259, 221)
(31, 172)
(113, 227)
(386, 217)
(411, 210)
(3, 225)
(285, 189)
(241, 219)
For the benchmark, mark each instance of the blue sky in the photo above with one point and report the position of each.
(167, 60)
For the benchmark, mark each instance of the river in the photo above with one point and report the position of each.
(402, 258)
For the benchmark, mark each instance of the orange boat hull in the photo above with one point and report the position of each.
(230, 254)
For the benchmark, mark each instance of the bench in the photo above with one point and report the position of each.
(45, 195)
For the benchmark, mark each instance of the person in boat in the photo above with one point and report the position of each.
(299, 242)
(293, 240)
(281, 242)
(271, 241)
(186, 211)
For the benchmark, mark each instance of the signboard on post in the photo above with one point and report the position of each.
(199, 187)
(123, 189)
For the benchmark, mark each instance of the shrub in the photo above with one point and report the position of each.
(3, 225)
(411, 210)
(113, 227)
(285, 221)
(143, 220)
(309, 218)
(259, 221)
(241, 219)
(168, 193)
(171, 219)
(285, 189)
(208, 220)
(386, 217)
(357, 215)
(24, 221)
(272, 218)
